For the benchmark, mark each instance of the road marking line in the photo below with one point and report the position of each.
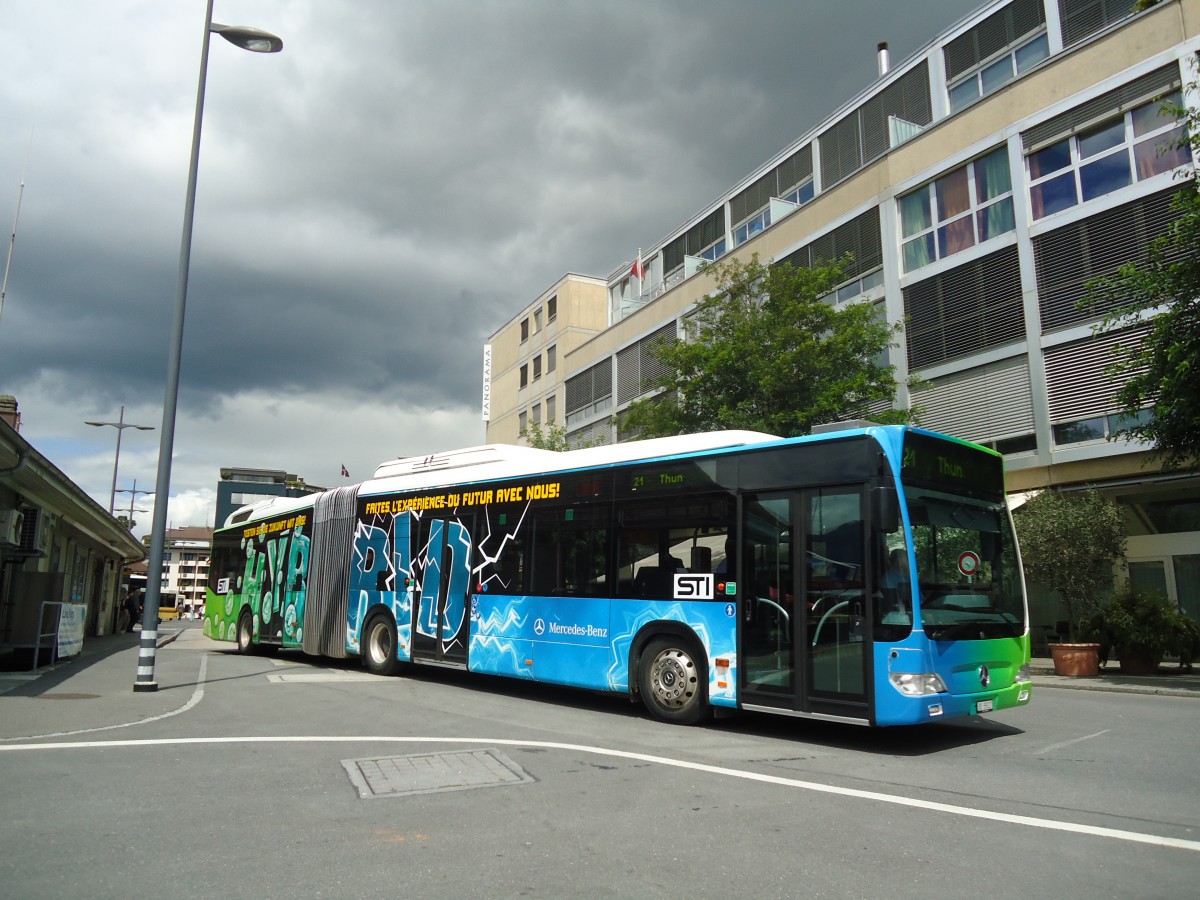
(319, 677)
(896, 800)
(197, 696)
(1059, 746)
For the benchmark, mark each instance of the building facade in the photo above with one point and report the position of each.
(979, 185)
(186, 557)
(523, 383)
(61, 553)
(241, 487)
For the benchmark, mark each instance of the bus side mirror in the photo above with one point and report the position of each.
(885, 508)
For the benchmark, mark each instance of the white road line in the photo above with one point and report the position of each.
(912, 802)
(1059, 746)
(319, 677)
(197, 696)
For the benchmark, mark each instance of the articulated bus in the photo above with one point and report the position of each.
(867, 575)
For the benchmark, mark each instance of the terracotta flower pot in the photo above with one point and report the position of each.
(1076, 660)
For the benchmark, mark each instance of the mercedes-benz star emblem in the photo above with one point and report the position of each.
(985, 677)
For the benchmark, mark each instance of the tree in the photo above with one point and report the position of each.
(1070, 543)
(552, 437)
(1159, 393)
(765, 353)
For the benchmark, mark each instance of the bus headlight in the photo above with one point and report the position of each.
(917, 684)
(1023, 673)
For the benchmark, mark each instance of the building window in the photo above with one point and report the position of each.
(752, 226)
(801, 193)
(551, 357)
(524, 375)
(1097, 428)
(537, 367)
(551, 410)
(524, 330)
(522, 423)
(1137, 145)
(552, 309)
(536, 415)
(963, 208)
(537, 321)
(999, 72)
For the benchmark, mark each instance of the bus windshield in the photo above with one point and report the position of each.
(969, 583)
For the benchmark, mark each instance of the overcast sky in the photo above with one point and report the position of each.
(373, 202)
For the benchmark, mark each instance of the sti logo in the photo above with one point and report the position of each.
(693, 587)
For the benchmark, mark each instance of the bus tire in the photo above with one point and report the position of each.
(245, 633)
(379, 646)
(673, 682)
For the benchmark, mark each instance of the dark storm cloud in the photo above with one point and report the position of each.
(377, 199)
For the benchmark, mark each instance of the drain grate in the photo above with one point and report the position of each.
(431, 773)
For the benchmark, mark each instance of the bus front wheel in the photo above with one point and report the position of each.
(379, 647)
(672, 683)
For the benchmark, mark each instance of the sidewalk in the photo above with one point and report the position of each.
(94, 649)
(1170, 680)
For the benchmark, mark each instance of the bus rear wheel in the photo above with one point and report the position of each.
(245, 633)
(672, 683)
(379, 646)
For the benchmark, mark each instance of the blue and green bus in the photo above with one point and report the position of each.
(868, 574)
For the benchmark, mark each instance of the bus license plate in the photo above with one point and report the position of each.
(985, 706)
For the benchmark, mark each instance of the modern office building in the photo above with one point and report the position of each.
(979, 185)
(241, 487)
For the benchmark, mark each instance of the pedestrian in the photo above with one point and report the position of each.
(133, 603)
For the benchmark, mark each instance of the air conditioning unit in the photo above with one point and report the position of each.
(11, 526)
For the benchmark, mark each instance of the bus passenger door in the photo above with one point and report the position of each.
(440, 620)
(803, 627)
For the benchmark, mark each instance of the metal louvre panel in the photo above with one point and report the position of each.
(1150, 85)
(964, 310)
(1076, 380)
(795, 168)
(840, 151)
(754, 197)
(861, 237)
(597, 432)
(1081, 18)
(907, 98)
(589, 386)
(652, 368)
(629, 374)
(327, 599)
(638, 368)
(1067, 258)
(993, 34)
(982, 404)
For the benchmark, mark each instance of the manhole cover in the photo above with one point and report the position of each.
(430, 773)
(68, 696)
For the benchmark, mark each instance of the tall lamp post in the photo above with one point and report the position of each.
(133, 493)
(257, 41)
(120, 425)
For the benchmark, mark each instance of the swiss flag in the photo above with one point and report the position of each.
(637, 269)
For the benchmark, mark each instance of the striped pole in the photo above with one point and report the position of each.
(145, 668)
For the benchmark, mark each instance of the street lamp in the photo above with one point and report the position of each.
(133, 493)
(120, 425)
(257, 41)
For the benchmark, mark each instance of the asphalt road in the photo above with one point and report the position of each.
(283, 776)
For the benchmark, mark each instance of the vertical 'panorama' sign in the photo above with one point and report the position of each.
(487, 382)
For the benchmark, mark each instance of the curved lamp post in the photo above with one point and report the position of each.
(257, 41)
(120, 425)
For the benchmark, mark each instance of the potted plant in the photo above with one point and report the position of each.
(1141, 627)
(1071, 542)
